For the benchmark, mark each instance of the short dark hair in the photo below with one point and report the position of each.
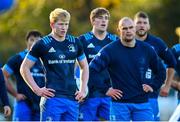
(141, 14)
(34, 33)
(98, 12)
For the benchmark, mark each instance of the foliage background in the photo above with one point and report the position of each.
(34, 14)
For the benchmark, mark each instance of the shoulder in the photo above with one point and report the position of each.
(112, 37)
(86, 37)
(176, 47)
(45, 40)
(71, 38)
(22, 54)
(15, 57)
(156, 39)
(145, 46)
(111, 46)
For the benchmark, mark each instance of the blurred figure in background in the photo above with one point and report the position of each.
(142, 24)
(26, 106)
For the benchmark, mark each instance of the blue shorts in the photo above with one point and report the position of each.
(59, 109)
(94, 108)
(131, 111)
(23, 112)
(155, 107)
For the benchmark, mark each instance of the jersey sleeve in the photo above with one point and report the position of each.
(13, 64)
(80, 53)
(36, 51)
(158, 70)
(166, 54)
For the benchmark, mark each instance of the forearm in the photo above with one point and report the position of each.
(10, 88)
(169, 78)
(175, 85)
(26, 74)
(84, 78)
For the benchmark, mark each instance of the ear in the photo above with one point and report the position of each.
(118, 30)
(52, 25)
(149, 27)
(92, 21)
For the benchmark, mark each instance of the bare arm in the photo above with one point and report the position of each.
(26, 74)
(84, 77)
(176, 83)
(167, 84)
(10, 87)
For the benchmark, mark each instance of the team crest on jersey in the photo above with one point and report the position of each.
(71, 48)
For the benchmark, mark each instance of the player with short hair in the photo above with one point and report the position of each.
(58, 52)
(142, 24)
(26, 106)
(127, 61)
(97, 105)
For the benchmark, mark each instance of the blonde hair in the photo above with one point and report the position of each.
(59, 14)
(98, 12)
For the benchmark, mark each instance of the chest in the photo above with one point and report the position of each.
(61, 51)
(92, 47)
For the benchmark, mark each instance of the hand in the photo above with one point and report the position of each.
(45, 92)
(7, 111)
(80, 96)
(20, 97)
(147, 88)
(114, 93)
(164, 92)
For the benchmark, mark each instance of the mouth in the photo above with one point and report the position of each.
(62, 32)
(141, 29)
(103, 25)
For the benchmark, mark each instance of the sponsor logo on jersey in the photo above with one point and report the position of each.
(62, 56)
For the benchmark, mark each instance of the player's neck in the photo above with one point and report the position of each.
(128, 43)
(58, 38)
(99, 34)
(141, 38)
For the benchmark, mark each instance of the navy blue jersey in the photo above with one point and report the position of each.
(59, 61)
(127, 68)
(98, 84)
(176, 52)
(162, 50)
(3, 91)
(164, 53)
(13, 67)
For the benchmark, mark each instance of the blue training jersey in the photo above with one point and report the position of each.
(13, 67)
(127, 68)
(176, 52)
(98, 84)
(164, 53)
(59, 61)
